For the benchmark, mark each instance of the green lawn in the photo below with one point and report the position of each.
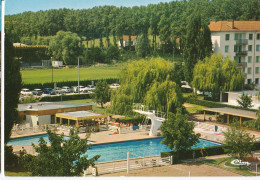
(10, 173)
(194, 108)
(94, 107)
(69, 74)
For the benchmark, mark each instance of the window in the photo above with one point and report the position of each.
(257, 59)
(256, 80)
(258, 36)
(249, 70)
(249, 81)
(257, 70)
(250, 36)
(238, 36)
(226, 48)
(249, 47)
(235, 48)
(227, 37)
(249, 59)
(257, 47)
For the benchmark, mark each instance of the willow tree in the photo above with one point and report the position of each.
(216, 74)
(150, 82)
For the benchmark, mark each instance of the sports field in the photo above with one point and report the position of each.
(69, 74)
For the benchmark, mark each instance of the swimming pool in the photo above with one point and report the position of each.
(146, 147)
(30, 139)
(118, 150)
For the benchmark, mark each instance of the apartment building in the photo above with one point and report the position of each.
(240, 40)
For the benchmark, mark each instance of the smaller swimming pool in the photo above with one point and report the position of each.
(30, 139)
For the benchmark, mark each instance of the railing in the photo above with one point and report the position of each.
(122, 165)
(241, 53)
(243, 64)
(141, 107)
(241, 41)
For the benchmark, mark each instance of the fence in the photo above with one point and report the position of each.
(127, 165)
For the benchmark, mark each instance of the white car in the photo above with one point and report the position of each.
(90, 88)
(66, 89)
(59, 90)
(114, 86)
(26, 92)
(82, 89)
(37, 92)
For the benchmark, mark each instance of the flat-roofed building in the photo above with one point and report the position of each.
(42, 113)
(240, 40)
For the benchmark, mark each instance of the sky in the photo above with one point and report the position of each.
(19, 6)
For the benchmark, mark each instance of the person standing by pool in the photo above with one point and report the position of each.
(23, 151)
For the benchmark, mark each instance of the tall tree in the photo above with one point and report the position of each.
(66, 46)
(13, 85)
(142, 47)
(139, 81)
(178, 133)
(102, 93)
(238, 142)
(60, 158)
(217, 74)
(195, 39)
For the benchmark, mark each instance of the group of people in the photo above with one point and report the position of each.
(23, 151)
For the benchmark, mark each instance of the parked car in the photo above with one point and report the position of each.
(66, 89)
(114, 86)
(90, 88)
(59, 90)
(26, 92)
(83, 89)
(74, 89)
(49, 91)
(37, 92)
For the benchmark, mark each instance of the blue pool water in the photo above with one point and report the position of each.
(147, 147)
(30, 139)
(118, 151)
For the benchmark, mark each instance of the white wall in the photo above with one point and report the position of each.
(233, 97)
(45, 119)
(41, 120)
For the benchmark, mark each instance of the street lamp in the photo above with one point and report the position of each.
(52, 71)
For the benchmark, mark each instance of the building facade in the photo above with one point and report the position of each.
(240, 40)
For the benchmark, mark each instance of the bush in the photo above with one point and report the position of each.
(68, 83)
(211, 104)
(65, 97)
(134, 120)
(11, 160)
(208, 151)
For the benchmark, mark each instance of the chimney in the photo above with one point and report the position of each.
(233, 26)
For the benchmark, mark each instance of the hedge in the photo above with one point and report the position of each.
(134, 120)
(211, 104)
(67, 83)
(65, 97)
(208, 151)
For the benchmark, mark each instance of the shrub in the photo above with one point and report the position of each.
(67, 83)
(208, 151)
(211, 104)
(65, 97)
(11, 160)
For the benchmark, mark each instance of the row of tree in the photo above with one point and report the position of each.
(164, 20)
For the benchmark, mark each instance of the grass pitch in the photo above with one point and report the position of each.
(69, 74)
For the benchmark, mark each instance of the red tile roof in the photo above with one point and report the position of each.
(126, 38)
(238, 26)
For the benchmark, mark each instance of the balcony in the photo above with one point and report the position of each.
(241, 41)
(242, 64)
(241, 53)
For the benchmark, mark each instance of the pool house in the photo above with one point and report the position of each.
(43, 113)
(227, 114)
(86, 119)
